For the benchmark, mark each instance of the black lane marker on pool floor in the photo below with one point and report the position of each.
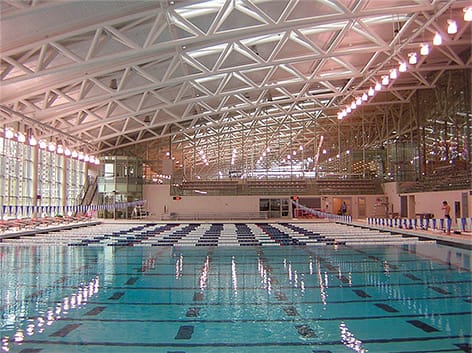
(291, 311)
(420, 324)
(280, 296)
(305, 331)
(386, 308)
(95, 311)
(116, 295)
(131, 281)
(31, 350)
(193, 312)
(440, 290)
(184, 333)
(198, 297)
(466, 347)
(318, 351)
(412, 277)
(361, 293)
(65, 330)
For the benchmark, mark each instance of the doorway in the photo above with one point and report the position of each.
(465, 205)
(361, 207)
(337, 205)
(411, 206)
(403, 206)
(457, 209)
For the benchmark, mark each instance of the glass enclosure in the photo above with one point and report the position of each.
(120, 181)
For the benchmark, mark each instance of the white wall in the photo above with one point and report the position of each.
(160, 203)
(428, 202)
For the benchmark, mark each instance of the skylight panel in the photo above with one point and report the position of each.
(200, 9)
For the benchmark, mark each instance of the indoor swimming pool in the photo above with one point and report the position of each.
(253, 299)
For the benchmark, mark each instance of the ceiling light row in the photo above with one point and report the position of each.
(412, 60)
(50, 146)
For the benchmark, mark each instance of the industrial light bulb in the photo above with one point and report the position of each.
(424, 49)
(468, 14)
(412, 58)
(452, 27)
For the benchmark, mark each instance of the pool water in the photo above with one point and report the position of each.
(411, 298)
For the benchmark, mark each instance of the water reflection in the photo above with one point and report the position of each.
(234, 276)
(349, 340)
(76, 300)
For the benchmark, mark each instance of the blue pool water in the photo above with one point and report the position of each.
(411, 298)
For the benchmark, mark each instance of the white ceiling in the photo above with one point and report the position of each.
(215, 76)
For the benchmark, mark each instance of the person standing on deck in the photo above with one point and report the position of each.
(447, 216)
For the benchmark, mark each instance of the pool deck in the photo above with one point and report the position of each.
(462, 240)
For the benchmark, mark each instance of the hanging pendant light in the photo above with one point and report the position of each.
(468, 14)
(412, 58)
(424, 49)
(452, 26)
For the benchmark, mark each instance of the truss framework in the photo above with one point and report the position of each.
(223, 75)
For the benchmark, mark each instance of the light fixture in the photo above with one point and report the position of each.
(9, 134)
(437, 40)
(452, 26)
(412, 58)
(424, 49)
(74, 154)
(60, 149)
(358, 101)
(393, 74)
(80, 157)
(402, 67)
(113, 83)
(365, 96)
(371, 92)
(378, 86)
(348, 109)
(33, 141)
(468, 14)
(67, 152)
(385, 80)
(21, 137)
(51, 147)
(42, 144)
(340, 115)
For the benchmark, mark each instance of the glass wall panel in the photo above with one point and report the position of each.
(75, 181)
(59, 180)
